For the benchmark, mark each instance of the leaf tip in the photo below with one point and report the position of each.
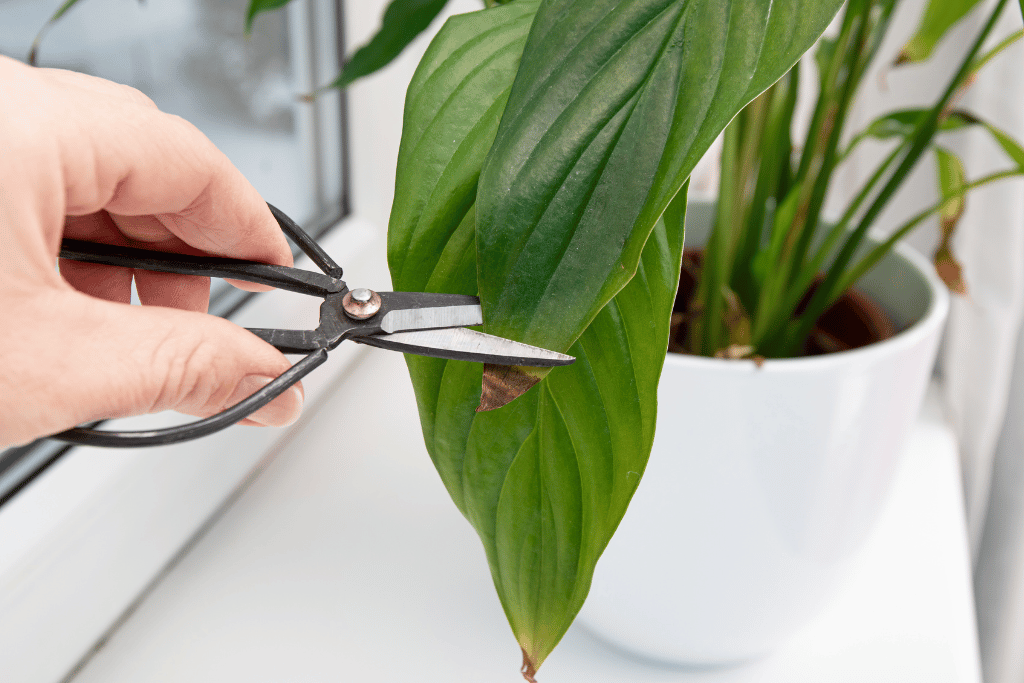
(528, 670)
(503, 384)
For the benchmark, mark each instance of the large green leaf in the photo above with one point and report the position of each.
(939, 16)
(546, 479)
(613, 105)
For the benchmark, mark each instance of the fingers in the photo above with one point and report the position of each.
(147, 163)
(190, 293)
(88, 359)
(104, 146)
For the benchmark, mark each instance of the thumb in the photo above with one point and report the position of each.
(95, 359)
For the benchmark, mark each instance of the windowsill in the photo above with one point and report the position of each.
(346, 560)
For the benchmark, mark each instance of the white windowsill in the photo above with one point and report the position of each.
(345, 560)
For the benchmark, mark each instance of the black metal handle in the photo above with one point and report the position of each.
(281, 277)
(199, 428)
(307, 244)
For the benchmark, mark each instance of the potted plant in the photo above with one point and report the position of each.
(791, 394)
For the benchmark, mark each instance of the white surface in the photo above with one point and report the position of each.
(345, 561)
(79, 544)
(764, 481)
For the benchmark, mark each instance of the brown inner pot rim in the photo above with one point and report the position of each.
(855, 320)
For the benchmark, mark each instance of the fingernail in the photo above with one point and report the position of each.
(281, 412)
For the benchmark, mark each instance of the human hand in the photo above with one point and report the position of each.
(86, 158)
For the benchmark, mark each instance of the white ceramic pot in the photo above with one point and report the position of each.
(763, 482)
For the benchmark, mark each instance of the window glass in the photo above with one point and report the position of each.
(194, 59)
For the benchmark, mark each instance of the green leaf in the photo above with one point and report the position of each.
(33, 53)
(612, 106)
(939, 16)
(984, 59)
(1012, 148)
(403, 20)
(902, 124)
(258, 7)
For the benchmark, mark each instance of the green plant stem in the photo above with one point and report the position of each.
(827, 293)
(876, 254)
(812, 161)
(813, 267)
(871, 32)
(773, 178)
(707, 329)
(828, 79)
(810, 214)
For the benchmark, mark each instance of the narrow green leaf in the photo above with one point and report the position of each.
(257, 7)
(984, 59)
(612, 105)
(403, 20)
(33, 53)
(939, 16)
(1012, 148)
(68, 4)
(902, 124)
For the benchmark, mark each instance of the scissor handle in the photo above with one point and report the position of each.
(194, 430)
(307, 244)
(280, 277)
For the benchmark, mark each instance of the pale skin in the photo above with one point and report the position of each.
(86, 158)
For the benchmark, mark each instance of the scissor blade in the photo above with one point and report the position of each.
(461, 344)
(431, 318)
(417, 311)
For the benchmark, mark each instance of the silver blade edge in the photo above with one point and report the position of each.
(462, 344)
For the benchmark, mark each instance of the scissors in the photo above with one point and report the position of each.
(411, 322)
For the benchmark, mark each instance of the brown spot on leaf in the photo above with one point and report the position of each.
(503, 384)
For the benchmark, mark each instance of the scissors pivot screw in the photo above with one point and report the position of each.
(361, 303)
